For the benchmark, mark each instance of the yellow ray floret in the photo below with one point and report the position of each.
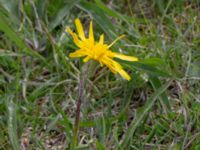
(98, 51)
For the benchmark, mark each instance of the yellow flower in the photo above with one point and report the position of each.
(98, 51)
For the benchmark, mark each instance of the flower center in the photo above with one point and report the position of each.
(99, 51)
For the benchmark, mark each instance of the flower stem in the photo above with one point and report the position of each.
(83, 79)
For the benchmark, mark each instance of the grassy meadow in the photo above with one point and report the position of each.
(158, 109)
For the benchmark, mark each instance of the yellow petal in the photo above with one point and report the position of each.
(116, 67)
(68, 29)
(86, 59)
(108, 62)
(91, 34)
(120, 37)
(74, 35)
(124, 74)
(110, 54)
(79, 28)
(119, 69)
(124, 57)
(101, 64)
(78, 53)
(101, 40)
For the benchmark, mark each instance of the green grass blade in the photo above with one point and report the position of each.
(115, 14)
(12, 125)
(137, 121)
(155, 82)
(100, 146)
(14, 36)
(109, 11)
(61, 14)
(99, 17)
(12, 6)
(150, 69)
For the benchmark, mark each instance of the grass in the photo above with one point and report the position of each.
(158, 109)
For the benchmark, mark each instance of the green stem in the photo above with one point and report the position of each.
(83, 78)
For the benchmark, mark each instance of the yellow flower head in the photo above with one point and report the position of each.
(97, 50)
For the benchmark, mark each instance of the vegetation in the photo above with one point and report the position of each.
(159, 108)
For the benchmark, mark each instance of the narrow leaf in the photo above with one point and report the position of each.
(136, 122)
(13, 36)
(12, 125)
(163, 97)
